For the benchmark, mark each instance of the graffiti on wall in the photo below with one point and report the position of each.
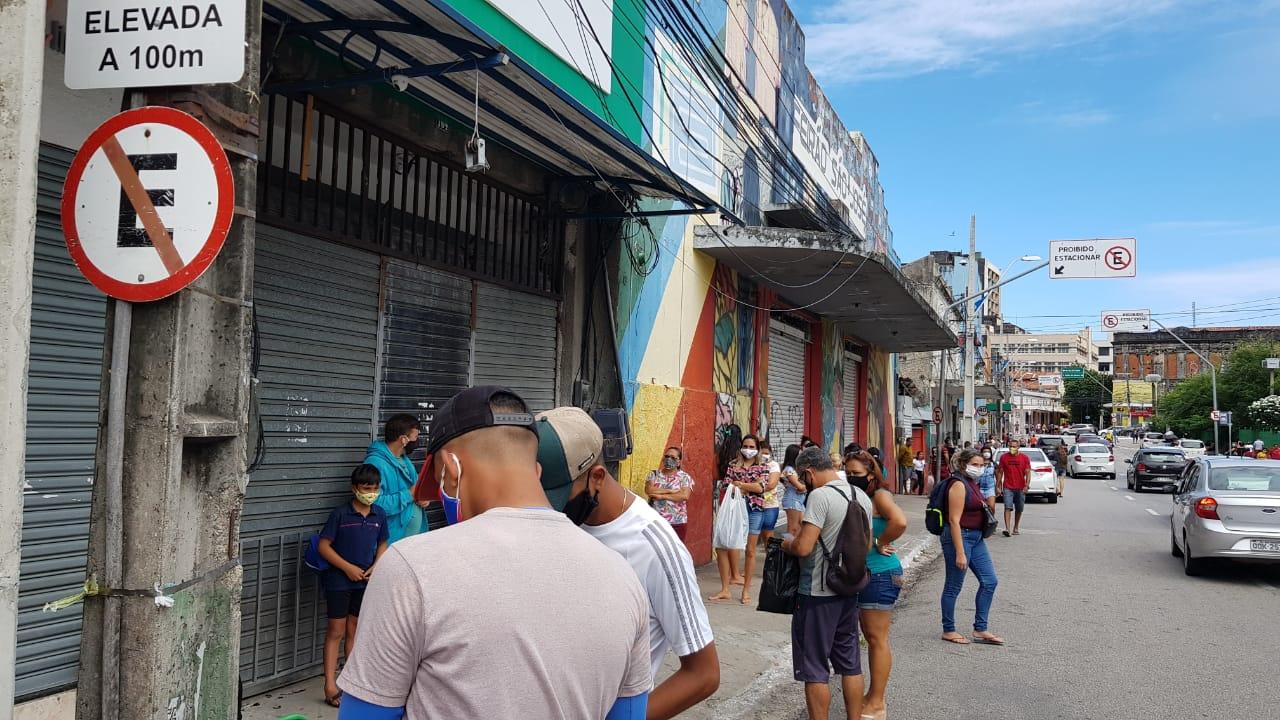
(832, 385)
(733, 348)
(879, 400)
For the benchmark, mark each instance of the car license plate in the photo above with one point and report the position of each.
(1096, 468)
(1265, 545)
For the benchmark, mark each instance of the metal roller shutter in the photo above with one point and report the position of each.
(317, 314)
(426, 347)
(852, 367)
(786, 385)
(516, 344)
(67, 322)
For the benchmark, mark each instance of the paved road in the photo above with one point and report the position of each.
(1101, 623)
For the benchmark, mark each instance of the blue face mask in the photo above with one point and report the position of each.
(451, 504)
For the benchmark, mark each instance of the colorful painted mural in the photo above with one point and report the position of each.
(832, 385)
(881, 396)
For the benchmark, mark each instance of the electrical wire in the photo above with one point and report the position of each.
(657, 148)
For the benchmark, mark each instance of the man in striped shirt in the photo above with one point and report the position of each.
(570, 451)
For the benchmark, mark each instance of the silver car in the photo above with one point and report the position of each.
(1226, 508)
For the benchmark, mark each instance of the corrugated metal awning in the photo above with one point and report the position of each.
(836, 276)
(519, 107)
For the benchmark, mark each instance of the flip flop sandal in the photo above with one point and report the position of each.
(1006, 533)
(333, 700)
(993, 640)
(957, 640)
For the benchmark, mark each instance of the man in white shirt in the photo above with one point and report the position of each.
(471, 621)
(570, 451)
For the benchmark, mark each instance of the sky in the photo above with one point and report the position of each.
(1062, 119)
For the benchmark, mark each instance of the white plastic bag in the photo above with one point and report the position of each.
(731, 521)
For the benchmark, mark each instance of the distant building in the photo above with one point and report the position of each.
(1138, 355)
(1044, 353)
(1106, 357)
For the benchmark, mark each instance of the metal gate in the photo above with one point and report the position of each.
(316, 305)
(426, 347)
(515, 344)
(852, 368)
(786, 385)
(67, 322)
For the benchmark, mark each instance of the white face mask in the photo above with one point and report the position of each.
(749, 453)
(973, 471)
(986, 454)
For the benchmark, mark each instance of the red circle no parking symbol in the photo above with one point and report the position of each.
(1118, 257)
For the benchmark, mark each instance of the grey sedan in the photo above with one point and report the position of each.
(1226, 508)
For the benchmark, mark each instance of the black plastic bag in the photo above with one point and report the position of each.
(781, 580)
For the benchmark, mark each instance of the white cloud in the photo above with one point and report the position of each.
(868, 39)
(1069, 116)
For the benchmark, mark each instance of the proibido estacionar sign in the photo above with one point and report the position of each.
(145, 43)
(1100, 258)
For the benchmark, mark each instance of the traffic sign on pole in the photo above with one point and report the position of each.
(1215, 415)
(1100, 258)
(1073, 373)
(1126, 320)
(147, 203)
(117, 43)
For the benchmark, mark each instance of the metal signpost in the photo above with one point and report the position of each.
(124, 43)
(1213, 377)
(1102, 258)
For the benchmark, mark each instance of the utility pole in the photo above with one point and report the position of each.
(174, 442)
(969, 431)
(1193, 314)
(22, 25)
(1213, 377)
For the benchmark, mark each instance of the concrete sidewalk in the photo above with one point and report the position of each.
(754, 647)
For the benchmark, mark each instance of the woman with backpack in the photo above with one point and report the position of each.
(964, 548)
(877, 600)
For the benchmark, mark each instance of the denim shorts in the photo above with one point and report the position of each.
(1015, 499)
(881, 593)
(763, 520)
(792, 499)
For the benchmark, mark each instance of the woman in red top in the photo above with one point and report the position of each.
(964, 548)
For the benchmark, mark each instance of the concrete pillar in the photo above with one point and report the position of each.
(21, 69)
(185, 446)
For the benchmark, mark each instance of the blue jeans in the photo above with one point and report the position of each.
(975, 549)
(762, 520)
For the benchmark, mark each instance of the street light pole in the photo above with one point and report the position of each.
(969, 432)
(1213, 377)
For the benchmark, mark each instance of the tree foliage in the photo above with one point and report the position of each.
(1242, 380)
(1086, 396)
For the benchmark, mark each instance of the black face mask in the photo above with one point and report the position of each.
(410, 446)
(579, 508)
(862, 482)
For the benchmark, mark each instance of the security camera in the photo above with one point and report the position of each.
(400, 82)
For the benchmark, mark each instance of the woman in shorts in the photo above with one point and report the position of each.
(794, 491)
(878, 598)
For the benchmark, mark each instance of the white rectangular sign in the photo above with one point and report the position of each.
(1126, 320)
(145, 43)
(1049, 380)
(1271, 363)
(1099, 258)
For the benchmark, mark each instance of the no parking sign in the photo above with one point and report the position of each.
(147, 204)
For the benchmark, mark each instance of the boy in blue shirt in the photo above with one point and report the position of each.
(352, 540)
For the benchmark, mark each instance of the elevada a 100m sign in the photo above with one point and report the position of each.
(135, 43)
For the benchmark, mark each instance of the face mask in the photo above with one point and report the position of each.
(973, 471)
(670, 463)
(859, 481)
(749, 453)
(1013, 451)
(579, 508)
(410, 446)
(766, 458)
(367, 498)
(451, 504)
(986, 455)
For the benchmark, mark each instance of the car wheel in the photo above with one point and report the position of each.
(1173, 544)
(1192, 566)
(1053, 499)
(1111, 476)
(1137, 485)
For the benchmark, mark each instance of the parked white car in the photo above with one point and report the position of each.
(1091, 459)
(1044, 480)
(1192, 448)
(1152, 439)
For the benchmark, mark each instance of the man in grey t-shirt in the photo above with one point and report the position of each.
(512, 611)
(824, 626)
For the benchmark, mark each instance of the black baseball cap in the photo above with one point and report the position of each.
(470, 410)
